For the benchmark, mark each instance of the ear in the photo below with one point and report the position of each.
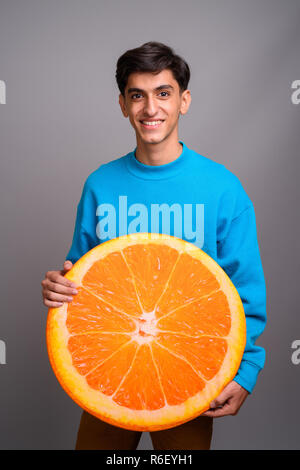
(186, 100)
(123, 105)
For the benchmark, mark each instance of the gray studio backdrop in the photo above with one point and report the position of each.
(60, 119)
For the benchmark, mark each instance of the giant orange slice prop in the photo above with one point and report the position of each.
(156, 331)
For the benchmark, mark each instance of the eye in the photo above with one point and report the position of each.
(167, 93)
(136, 94)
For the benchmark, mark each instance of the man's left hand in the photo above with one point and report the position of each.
(228, 402)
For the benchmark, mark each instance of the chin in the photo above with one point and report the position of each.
(155, 139)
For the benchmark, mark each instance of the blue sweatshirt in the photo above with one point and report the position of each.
(195, 199)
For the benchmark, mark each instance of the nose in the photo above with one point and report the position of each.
(150, 107)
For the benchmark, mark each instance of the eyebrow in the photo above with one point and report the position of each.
(160, 87)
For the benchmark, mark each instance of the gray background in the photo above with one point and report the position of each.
(62, 120)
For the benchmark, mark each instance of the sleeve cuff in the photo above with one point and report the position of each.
(247, 375)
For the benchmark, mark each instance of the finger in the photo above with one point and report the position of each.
(67, 266)
(221, 399)
(55, 297)
(60, 288)
(55, 276)
(213, 414)
(50, 304)
(218, 412)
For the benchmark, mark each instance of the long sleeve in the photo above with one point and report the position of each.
(238, 255)
(84, 239)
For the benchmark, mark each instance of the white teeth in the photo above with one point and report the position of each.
(153, 123)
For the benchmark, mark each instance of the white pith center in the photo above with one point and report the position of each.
(145, 328)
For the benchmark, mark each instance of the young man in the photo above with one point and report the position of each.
(163, 171)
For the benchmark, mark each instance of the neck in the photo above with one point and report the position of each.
(158, 153)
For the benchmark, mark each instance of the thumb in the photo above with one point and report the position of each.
(67, 266)
(221, 399)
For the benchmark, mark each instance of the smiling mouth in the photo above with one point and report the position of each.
(151, 124)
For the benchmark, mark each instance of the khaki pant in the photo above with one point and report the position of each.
(94, 434)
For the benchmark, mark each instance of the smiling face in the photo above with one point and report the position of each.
(153, 104)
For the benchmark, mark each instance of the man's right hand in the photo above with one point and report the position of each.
(56, 289)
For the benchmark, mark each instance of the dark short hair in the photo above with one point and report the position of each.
(152, 57)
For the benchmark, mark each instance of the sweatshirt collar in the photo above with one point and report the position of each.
(166, 170)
